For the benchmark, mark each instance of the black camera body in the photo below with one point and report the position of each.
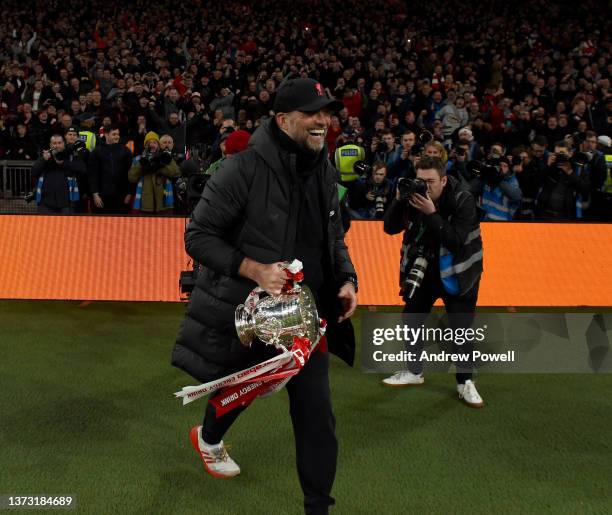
(58, 155)
(362, 169)
(78, 148)
(488, 171)
(153, 161)
(561, 159)
(408, 187)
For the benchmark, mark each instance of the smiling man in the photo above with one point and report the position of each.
(274, 202)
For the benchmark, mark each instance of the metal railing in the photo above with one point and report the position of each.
(16, 181)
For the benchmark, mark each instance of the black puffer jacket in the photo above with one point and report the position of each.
(250, 208)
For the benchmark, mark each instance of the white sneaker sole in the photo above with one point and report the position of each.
(477, 405)
(402, 385)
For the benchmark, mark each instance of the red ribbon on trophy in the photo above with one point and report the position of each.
(268, 377)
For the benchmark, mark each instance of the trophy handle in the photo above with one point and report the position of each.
(245, 326)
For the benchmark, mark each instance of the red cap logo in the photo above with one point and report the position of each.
(319, 90)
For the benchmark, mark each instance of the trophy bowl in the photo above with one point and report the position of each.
(276, 319)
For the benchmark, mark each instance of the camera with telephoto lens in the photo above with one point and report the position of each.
(516, 160)
(77, 148)
(408, 187)
(152, 161)
(561, 159)
(178, 157)
(489, 171)
(57, 154)
(423, 138)
(416, 274)
(362, 169)
(582, 158)
(379, 192)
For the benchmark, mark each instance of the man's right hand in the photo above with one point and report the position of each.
(98, 201)
(270, 278)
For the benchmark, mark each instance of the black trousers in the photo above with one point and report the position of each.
(314, 427)
(461, 306)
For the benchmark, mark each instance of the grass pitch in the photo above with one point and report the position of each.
(86, 408)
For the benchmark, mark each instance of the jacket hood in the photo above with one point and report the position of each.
(262, 141)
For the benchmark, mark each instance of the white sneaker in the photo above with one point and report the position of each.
(217, 461)
(469, 394)
(404, 378)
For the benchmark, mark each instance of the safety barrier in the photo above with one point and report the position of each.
(16, 181)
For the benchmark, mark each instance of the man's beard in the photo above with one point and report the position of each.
(303, 141)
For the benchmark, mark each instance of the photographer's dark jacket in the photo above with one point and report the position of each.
(562, 196)
(452, 233)
(55, 187)
(251, 207)
(108, 170)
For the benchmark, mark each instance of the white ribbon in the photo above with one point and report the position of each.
(192, 393)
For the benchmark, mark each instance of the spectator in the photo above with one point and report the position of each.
(512, 85)
(108, 168)
(453, 116)
(22, 147)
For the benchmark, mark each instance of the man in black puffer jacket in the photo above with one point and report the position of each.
(271, 203)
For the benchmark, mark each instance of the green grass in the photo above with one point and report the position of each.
(87, 409)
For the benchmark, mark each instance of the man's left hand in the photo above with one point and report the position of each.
(423, 204)
(348, 298)
(127, 199)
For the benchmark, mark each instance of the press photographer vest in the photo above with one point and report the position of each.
(457, 276)
(498, 206)
(345, 158)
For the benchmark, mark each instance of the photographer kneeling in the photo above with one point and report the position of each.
(152, 171)
(441, 258)
(55, 175)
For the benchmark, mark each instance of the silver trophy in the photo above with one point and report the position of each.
(276, 319)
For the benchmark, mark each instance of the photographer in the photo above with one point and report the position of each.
(373, 194)
(441, 257)
(55, 175)
(457, 167)
(501, 194)
(152, 172)
(565, 187)
(387, 150)
(404, 166)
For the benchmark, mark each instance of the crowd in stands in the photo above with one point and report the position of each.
(513, 96)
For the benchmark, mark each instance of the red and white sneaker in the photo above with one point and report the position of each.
(217, 461)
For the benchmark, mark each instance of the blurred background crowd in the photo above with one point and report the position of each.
(128, 108)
